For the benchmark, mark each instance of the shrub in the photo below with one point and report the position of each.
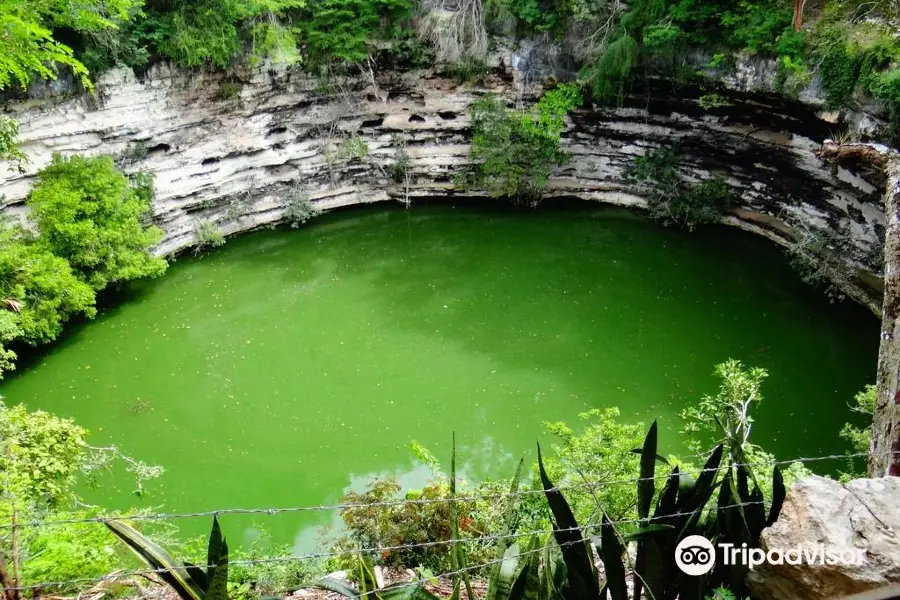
(207, 235)
(89, 213)
(300, 209)
(673, 201)
(45, 290)
(513, 152)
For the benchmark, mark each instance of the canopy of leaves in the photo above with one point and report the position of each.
(45, 290)
(40, 456)
(28, 49)
(89, 213)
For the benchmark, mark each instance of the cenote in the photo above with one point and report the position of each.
(290, 365)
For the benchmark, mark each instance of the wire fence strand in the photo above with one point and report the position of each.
(270, 511)
(401, 547)
(380, 549)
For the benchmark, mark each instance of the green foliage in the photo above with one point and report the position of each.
(671, 199)
(864, 403)
(40, 456)
(401, 524)
(261, 578)
(599, 453)
(512, 152)
(188, 581)
(90, 214)
(839, 71)
(208, 235)
(28, 49)
(71, 551)
(726, 418)
(45, 289)
(9, 332)
(347, 30)
(353, 148)
(468, 70)
(9, 149)
(300, 209)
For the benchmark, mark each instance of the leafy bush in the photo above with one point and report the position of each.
(90, 214)
(44, 288)
(672, 200)
(601, 452)
(28, 49)
(864, 403)
(513, 152)
(207, 235)
(300, 209)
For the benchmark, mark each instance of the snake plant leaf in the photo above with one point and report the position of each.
(646, 489)
(743, 487)
(528, 586)
(214, 548)
(648, 470)
(702, 489)
(504, 576)
(778, 495)
(172, 571)
(368, 584)
(198, 574)
(611, 550)
(659, 457)
(579, 566)
(510, 524)
(756, 515)
(218, 575)
(338, 586)
(666, 503)
(405, 591)
(457, 557)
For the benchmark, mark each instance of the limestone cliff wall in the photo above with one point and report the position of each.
(233, 152)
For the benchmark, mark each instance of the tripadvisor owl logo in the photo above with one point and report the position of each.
(695, 555)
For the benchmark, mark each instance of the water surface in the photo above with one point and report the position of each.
(290, 365)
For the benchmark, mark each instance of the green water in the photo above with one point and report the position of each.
(291, 365)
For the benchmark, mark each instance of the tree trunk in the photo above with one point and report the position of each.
(884, 452)
(798, 14)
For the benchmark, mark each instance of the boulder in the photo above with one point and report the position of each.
(860, 518)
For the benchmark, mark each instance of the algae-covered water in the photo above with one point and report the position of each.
(290, 365)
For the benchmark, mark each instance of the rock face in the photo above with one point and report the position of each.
(862, 515)
(238, 153)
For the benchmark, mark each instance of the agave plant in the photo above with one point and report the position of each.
(682, 509)
(189, 581)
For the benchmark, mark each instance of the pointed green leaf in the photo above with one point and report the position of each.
(510, 524)
(778, 495)
(579, 566)
(611, 550)
(648, 470)
(218, 583)
(198, 575)
(214, 547)
(172, 571)
(338, 586)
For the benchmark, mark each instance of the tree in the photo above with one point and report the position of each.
(513, 152)
(89, 213)
(27, 47)
(41, 286)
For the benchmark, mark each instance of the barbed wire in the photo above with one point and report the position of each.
(270, 511)
(381, 549)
